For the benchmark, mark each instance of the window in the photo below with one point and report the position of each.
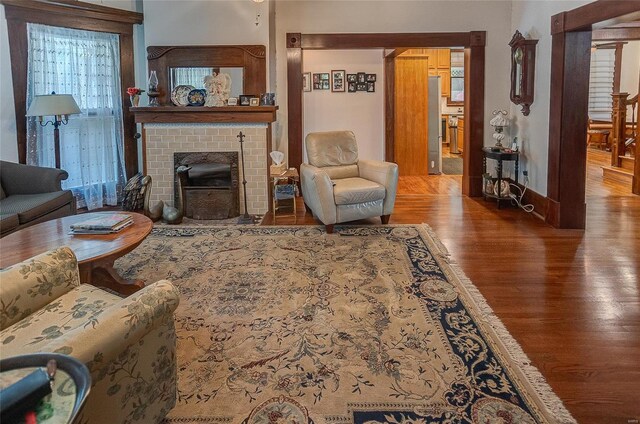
(457, 77)
(601, 83)
(85, 64)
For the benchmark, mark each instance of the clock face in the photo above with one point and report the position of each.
(518, 55)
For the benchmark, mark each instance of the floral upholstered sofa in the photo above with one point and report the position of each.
(129, 345)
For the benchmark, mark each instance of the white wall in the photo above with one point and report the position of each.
(533, 19)
(328, 16)
(629, 77)
(361, 112)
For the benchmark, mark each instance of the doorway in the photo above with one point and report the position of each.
(570, 62)
(474, 58)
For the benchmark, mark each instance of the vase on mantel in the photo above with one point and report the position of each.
(135, 100)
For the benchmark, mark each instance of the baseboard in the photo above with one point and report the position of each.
(540, 203)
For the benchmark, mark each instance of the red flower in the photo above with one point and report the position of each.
(133, 91)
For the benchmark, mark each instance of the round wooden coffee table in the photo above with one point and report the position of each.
(96, 253)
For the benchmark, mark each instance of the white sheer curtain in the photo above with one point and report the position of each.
(85, 64)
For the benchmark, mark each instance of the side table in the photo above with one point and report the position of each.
(492, 188)
(284, 187)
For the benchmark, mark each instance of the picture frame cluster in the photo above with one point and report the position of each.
(338, 81)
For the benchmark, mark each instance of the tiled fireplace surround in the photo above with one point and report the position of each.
(164, 139)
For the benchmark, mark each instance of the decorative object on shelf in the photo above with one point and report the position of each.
(218, 88)
(180, 95)
(504, 189)
(174, 215)
(245, 218)
(152, 89)
(321, 81)
(268, 99)
(197, 97)
(306, 81)
(278, 166)
(245, 99)
(134, 95)
(523, 67)
(499, 122)
(232, 101)
(254, 101)
(59, 107)
(338, 81)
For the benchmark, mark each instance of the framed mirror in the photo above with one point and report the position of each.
(194, 76)
(523, 67)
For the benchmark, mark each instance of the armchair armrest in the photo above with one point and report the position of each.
(34, 283)
(383, 173)
(317, 190)
(120, 326)
(25, 179)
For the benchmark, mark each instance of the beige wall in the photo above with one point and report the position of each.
(630, 72)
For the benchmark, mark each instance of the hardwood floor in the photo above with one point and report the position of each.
(570, 298)
(596, 184)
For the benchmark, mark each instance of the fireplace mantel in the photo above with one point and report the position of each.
(201, 114)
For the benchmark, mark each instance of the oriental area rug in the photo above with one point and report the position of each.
(372, 324)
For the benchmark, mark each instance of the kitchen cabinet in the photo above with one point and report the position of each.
(445, 82)
(444, 59)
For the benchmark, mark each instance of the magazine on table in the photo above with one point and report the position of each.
(106, 223)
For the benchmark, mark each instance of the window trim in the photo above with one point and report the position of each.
(449, 101)
(78, 15)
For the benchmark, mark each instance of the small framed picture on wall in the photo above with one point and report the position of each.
(337, 81)
(361, 86)
(371, 77)
(306, 81)
(371, 87)
(362, 77)
(352, 78)
(352, 87)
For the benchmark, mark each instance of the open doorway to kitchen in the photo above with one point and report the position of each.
(473, 44)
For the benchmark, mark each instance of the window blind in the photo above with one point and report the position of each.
(601, 84)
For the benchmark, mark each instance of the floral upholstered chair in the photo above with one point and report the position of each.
(129, 345)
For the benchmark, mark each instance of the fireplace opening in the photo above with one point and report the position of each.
(209, 189)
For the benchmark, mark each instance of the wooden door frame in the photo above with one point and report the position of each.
(571, 34)
(474, 45)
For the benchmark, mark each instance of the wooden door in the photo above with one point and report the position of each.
(411, 120)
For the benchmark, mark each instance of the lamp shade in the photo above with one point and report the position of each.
(52, 105)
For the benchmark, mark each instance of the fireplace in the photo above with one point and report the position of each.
(210, 186)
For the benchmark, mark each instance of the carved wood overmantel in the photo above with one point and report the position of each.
(252, 58)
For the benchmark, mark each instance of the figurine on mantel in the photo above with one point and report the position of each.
(218, 87)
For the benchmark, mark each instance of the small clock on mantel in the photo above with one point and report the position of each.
(523, 68)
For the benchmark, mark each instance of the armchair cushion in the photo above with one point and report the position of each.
(17, 178)
(332, 148)
(348, 191)
(32, 206)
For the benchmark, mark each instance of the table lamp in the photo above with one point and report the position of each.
(59, 107)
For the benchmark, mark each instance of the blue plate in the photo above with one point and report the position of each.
(197, 97)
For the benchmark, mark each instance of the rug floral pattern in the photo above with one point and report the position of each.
(293, 325)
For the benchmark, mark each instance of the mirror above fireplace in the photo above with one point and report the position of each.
(194, 76)
(245, 63)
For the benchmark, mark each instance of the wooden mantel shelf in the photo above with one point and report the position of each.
(201, 114)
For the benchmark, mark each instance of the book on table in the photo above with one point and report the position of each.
(106, 223)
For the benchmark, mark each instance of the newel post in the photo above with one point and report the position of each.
(619, 123)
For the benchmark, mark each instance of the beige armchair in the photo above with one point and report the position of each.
(129, 345)
(338, 187)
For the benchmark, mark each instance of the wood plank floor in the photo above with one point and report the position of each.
(570, 298)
